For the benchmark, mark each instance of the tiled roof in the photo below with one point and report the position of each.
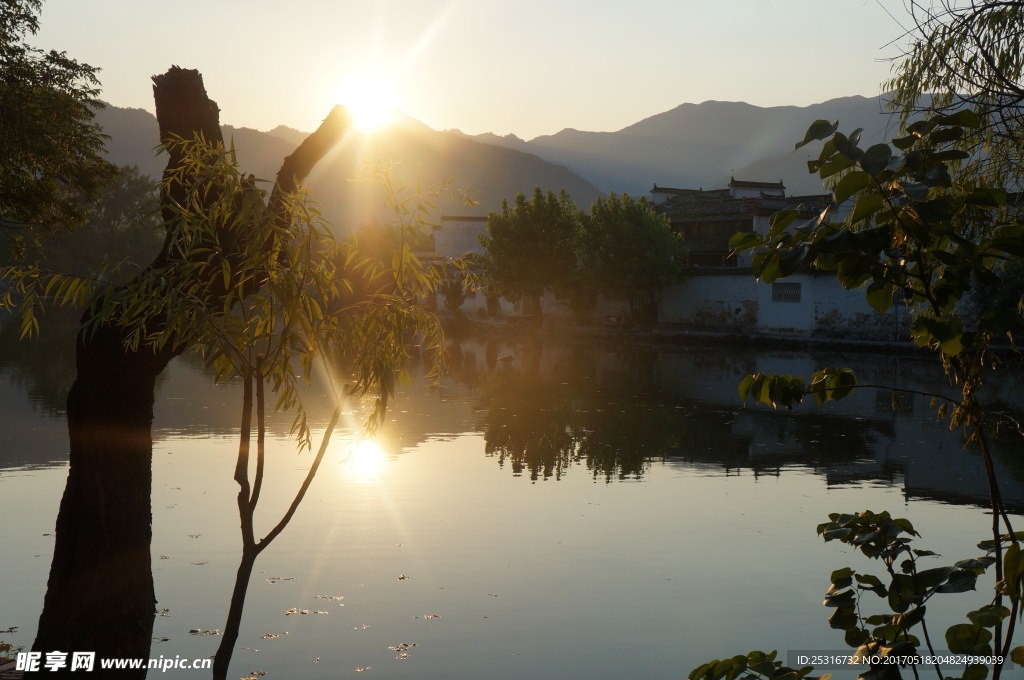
(717, 204)
(733, 182)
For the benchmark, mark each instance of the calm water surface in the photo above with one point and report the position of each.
(548, 511)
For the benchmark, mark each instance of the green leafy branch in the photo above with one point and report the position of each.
(754, 666)
(879, 536)
(914, 231)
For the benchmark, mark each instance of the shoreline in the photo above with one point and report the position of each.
(681, 335)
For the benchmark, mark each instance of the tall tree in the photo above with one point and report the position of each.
(100, 594)
(530, 246)
(123, 227)
(628, 251)
(52, 149)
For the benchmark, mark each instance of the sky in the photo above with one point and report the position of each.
(528, 67)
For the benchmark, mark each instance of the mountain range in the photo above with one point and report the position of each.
(690, 146)
(703, 145)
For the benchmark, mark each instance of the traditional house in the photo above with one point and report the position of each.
(721, 293)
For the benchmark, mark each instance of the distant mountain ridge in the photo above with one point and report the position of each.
(703, 145)
(690, 146)
(421, 155)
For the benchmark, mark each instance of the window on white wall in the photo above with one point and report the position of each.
(785, 292)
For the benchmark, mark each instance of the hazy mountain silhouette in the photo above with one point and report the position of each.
(289, 134)
(690, 146)
(420, 154)
(702, 145)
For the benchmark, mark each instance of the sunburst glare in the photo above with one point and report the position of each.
(364, 460)
(370, 99)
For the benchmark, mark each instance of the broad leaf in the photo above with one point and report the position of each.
(820, 129)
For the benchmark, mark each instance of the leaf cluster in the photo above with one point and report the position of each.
(828, 384)
(255, 294)
(622, 249)
(530, 244)
(626, 249)
(754, 666)
(880, 537)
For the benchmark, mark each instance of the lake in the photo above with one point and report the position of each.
(550, 510)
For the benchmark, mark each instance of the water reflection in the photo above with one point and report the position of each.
(616, 411)
(546, 408)
(43, 367)
(363, 459)
(459, 528)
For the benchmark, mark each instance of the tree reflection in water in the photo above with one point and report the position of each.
(615, 411)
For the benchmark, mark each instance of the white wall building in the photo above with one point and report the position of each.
(720, 291)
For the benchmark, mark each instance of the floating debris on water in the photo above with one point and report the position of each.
(403, 646)
(330, 597)
(294, 610)
(364, 668)
(278, 579)
(403, 577)
(428, 616)
(273, 636)
(200, 631)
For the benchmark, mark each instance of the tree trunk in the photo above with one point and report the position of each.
(100, 595)
(222, 660)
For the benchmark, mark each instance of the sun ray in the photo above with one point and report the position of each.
(427, 36)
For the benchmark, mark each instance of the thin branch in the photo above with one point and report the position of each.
(242, 464)
(261, 409)
(305, 483)
(934, 395)
(1014, 609)
(931, 650)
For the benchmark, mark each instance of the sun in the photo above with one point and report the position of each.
(365, 460)
(370, 99)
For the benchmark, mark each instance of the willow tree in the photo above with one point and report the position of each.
(965, 54)
(100, 595)
(299, 300)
